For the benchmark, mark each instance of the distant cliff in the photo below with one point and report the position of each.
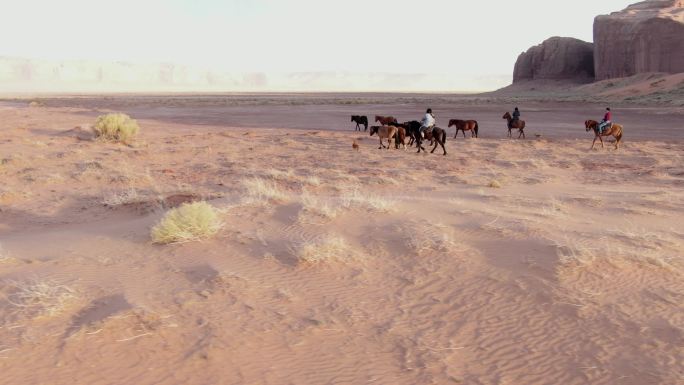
(644, 37)
(557, 58)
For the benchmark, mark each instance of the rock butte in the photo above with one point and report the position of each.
(644, 37)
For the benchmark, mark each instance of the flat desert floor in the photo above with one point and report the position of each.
(507, 261)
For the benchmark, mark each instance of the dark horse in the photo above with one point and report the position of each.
(360, 120)
(465, 125)
(437, 134)
(519, 124)
(614, 129)
(385, 120)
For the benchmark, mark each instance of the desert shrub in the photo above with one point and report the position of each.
(39, 297)
(331, 248)
(189, 222)
(116, 128)
(494, 184)
(260, 189)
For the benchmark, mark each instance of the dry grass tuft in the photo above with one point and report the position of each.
(118, 198)
(368, 201)
(331, 248)
(39, 298)
(573, 252)
(313, 206)
(280, 175)
(189, 222)
(425, 237)
(116, 128)
(494, 184)
(259, 189)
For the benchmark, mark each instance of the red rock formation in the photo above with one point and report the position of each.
(644, 37)
(557, 58)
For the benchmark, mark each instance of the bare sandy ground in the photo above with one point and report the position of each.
(505, 262)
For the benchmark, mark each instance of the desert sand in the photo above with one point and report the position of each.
(507, 261)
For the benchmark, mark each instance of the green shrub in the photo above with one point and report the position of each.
(116, 128)
(189, 222)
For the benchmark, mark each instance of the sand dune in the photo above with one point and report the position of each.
(505, 262)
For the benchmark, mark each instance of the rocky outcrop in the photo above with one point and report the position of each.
(644, 37)
(557, 58)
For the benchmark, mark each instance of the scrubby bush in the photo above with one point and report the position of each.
(116, 128)
(189, 222)
(39, 298)
(331, 248)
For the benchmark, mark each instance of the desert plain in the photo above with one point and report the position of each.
(507, 261)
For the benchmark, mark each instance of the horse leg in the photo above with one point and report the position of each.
(601, 139)
(594, 142)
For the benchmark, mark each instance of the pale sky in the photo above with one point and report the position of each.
(477, 41)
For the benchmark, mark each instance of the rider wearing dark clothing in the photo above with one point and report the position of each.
(516, 116)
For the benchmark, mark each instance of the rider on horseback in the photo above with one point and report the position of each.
(427, 123)
(607, 120)
(516, 117)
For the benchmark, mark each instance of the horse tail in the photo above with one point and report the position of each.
(618, 134)
(444, 136)
(476, 128)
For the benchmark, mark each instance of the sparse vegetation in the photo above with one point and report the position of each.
(331, 248)
(494, 184)
(189, 222)
(116, 128)
(369, 201)
(118, 198)
(429, 237)
(259, 189)
(36, 298)
(316, 207)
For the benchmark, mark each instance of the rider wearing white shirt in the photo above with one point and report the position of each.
(427, 122)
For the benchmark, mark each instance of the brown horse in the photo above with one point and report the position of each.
(614, 129)
(385, 120)
(400, 138)
(519, 124)
(465, 125)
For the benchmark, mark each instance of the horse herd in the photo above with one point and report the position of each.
(391, 129)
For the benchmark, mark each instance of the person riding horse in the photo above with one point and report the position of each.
(607, 120)
(516, 117)
(427, 123)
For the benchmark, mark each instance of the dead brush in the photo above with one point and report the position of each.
(36, 298)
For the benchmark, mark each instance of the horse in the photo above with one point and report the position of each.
(437, 134)
(465, 125)
(384, 132)
(519, 124)
(400, 137)
(360, 120)
(614, 129)
(385, 120)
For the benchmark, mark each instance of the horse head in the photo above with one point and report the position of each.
(452, 122)
(378, 118)
(374, 130)
(507, 116)
(354, 118)
(589, 124)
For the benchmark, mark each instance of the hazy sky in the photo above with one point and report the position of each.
(465, 39)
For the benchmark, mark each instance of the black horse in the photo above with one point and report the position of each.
(437, 134)
(358, 119)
